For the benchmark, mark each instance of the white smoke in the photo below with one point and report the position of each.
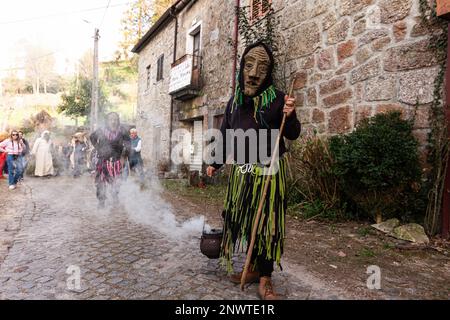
(147, 207)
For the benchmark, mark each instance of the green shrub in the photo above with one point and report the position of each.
(367, 253)
(377, 163)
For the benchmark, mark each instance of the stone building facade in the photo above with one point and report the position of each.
(153, 103)
(351, 58)
(202, 22)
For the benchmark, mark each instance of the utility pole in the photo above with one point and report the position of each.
(94, 95)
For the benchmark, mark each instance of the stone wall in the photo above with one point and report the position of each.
(351, 58)
(153, 106)
(354, 58)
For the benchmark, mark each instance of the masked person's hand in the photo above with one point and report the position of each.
(210, 171)
(289, 105)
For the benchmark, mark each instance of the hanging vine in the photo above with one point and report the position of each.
(437, 138)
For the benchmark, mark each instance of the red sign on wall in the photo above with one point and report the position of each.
(443, 9)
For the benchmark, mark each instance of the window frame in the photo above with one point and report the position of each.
(260, 13)
(149, 79)
(160, 68)
(196, 52)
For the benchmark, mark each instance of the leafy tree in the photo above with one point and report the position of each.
(120, 81)
(159, 7)
(85, 64)
(77, 102)
(135, 22)
(39, 66)
(13, 85)
(58, 84)
(117, 72)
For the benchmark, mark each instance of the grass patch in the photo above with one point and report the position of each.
(367, 253)
(365, 231)
(388, 246)
(333, 228)
(316, 210)
(211, 193)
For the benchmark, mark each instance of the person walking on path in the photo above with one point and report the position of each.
(66, 151)
(256, 107)
(135, 158)
(13, 147)
(23, 158)
(42, 150)
(79, 155)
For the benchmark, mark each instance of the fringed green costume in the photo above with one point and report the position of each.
(260, 102)
(245, 189)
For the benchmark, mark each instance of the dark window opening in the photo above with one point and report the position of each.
(196, 49)
(159, 71)
(148, 76)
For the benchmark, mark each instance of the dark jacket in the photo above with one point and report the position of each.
(135, 155)
(80, 149)
(26, 149)
(243, 118)
(110, 144)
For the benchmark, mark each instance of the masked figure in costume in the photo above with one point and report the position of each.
(110, 143)
(256, 105)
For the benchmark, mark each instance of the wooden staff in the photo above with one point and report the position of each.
(261, 201)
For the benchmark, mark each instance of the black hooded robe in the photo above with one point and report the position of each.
(110, 146)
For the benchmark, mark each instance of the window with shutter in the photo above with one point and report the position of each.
(265, 7)
(259, 8)
(255, 8)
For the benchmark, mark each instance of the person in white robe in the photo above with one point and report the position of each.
(42, 150)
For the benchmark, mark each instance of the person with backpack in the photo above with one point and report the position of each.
(23, 158)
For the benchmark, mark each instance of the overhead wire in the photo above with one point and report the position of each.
(104, 14)
(32, 59)
(58, 15)
(63, 13)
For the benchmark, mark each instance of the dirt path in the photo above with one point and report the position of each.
(337, 256)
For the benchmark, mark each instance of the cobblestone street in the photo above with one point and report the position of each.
(53, 227)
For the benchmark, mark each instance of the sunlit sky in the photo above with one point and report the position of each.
(65, 27)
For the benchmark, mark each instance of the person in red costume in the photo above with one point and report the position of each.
(3, 155)
(2, 163)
